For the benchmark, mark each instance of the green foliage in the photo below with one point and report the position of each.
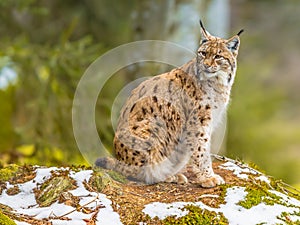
(47, 78)
(252, 109)
(7, 133)
(258, 131)
(6, 97)
(263, 116)
(50, 46)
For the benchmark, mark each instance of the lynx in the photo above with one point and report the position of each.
(167, 122)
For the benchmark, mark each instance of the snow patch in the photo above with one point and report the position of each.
(263, 179)
(25, 203)
(237, 170)
(21, 223)
(286, 199)
(163, 210)
(235, 214)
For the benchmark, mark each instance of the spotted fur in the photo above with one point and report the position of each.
(168, 120)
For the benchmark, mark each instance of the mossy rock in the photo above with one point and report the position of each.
(51, 190)
(98, 181)
(5, 220)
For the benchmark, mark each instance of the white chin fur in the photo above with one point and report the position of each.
(222, 77)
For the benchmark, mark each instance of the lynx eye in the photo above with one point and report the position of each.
(202, 53)
(217, 57)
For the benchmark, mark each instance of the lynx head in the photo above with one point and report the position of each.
(216, 57)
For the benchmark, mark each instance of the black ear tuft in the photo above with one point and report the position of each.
(205, 35)
(202, 27)
(240, 32)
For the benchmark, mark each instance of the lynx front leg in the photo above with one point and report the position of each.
(202, 165)
(198, 137)
(201, 160)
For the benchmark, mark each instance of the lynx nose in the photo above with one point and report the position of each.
(206, 65)
(209, 68)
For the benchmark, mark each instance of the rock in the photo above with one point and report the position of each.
(52, 189)
(40, 195)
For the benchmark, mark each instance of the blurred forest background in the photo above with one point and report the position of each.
(45, 47)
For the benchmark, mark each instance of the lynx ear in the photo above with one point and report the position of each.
(204, 34)
(233, 44)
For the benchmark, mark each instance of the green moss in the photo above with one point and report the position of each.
(117, 176)
(5, 220)
(256, 167)
(257, 195)
(285, 217)
(282, 187)
(223, 191)
(50, 191)
(197, 216)
(98, 181)
(78, 168)
(113, 174)
(8, 172)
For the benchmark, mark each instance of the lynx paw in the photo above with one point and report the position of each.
(178, 179)
(212, 181)
(105, 162)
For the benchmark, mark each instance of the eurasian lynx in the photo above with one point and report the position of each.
(168, 120)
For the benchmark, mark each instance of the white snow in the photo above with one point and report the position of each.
(25, 203)
(26, 197)
(236, 214)
(208, 196)
(163, 210)
(80, 177)
(21, 223)
(243, 171)
(237, 170)
(263, 179)
(286, 199)
(107, 215)
(261, 213)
